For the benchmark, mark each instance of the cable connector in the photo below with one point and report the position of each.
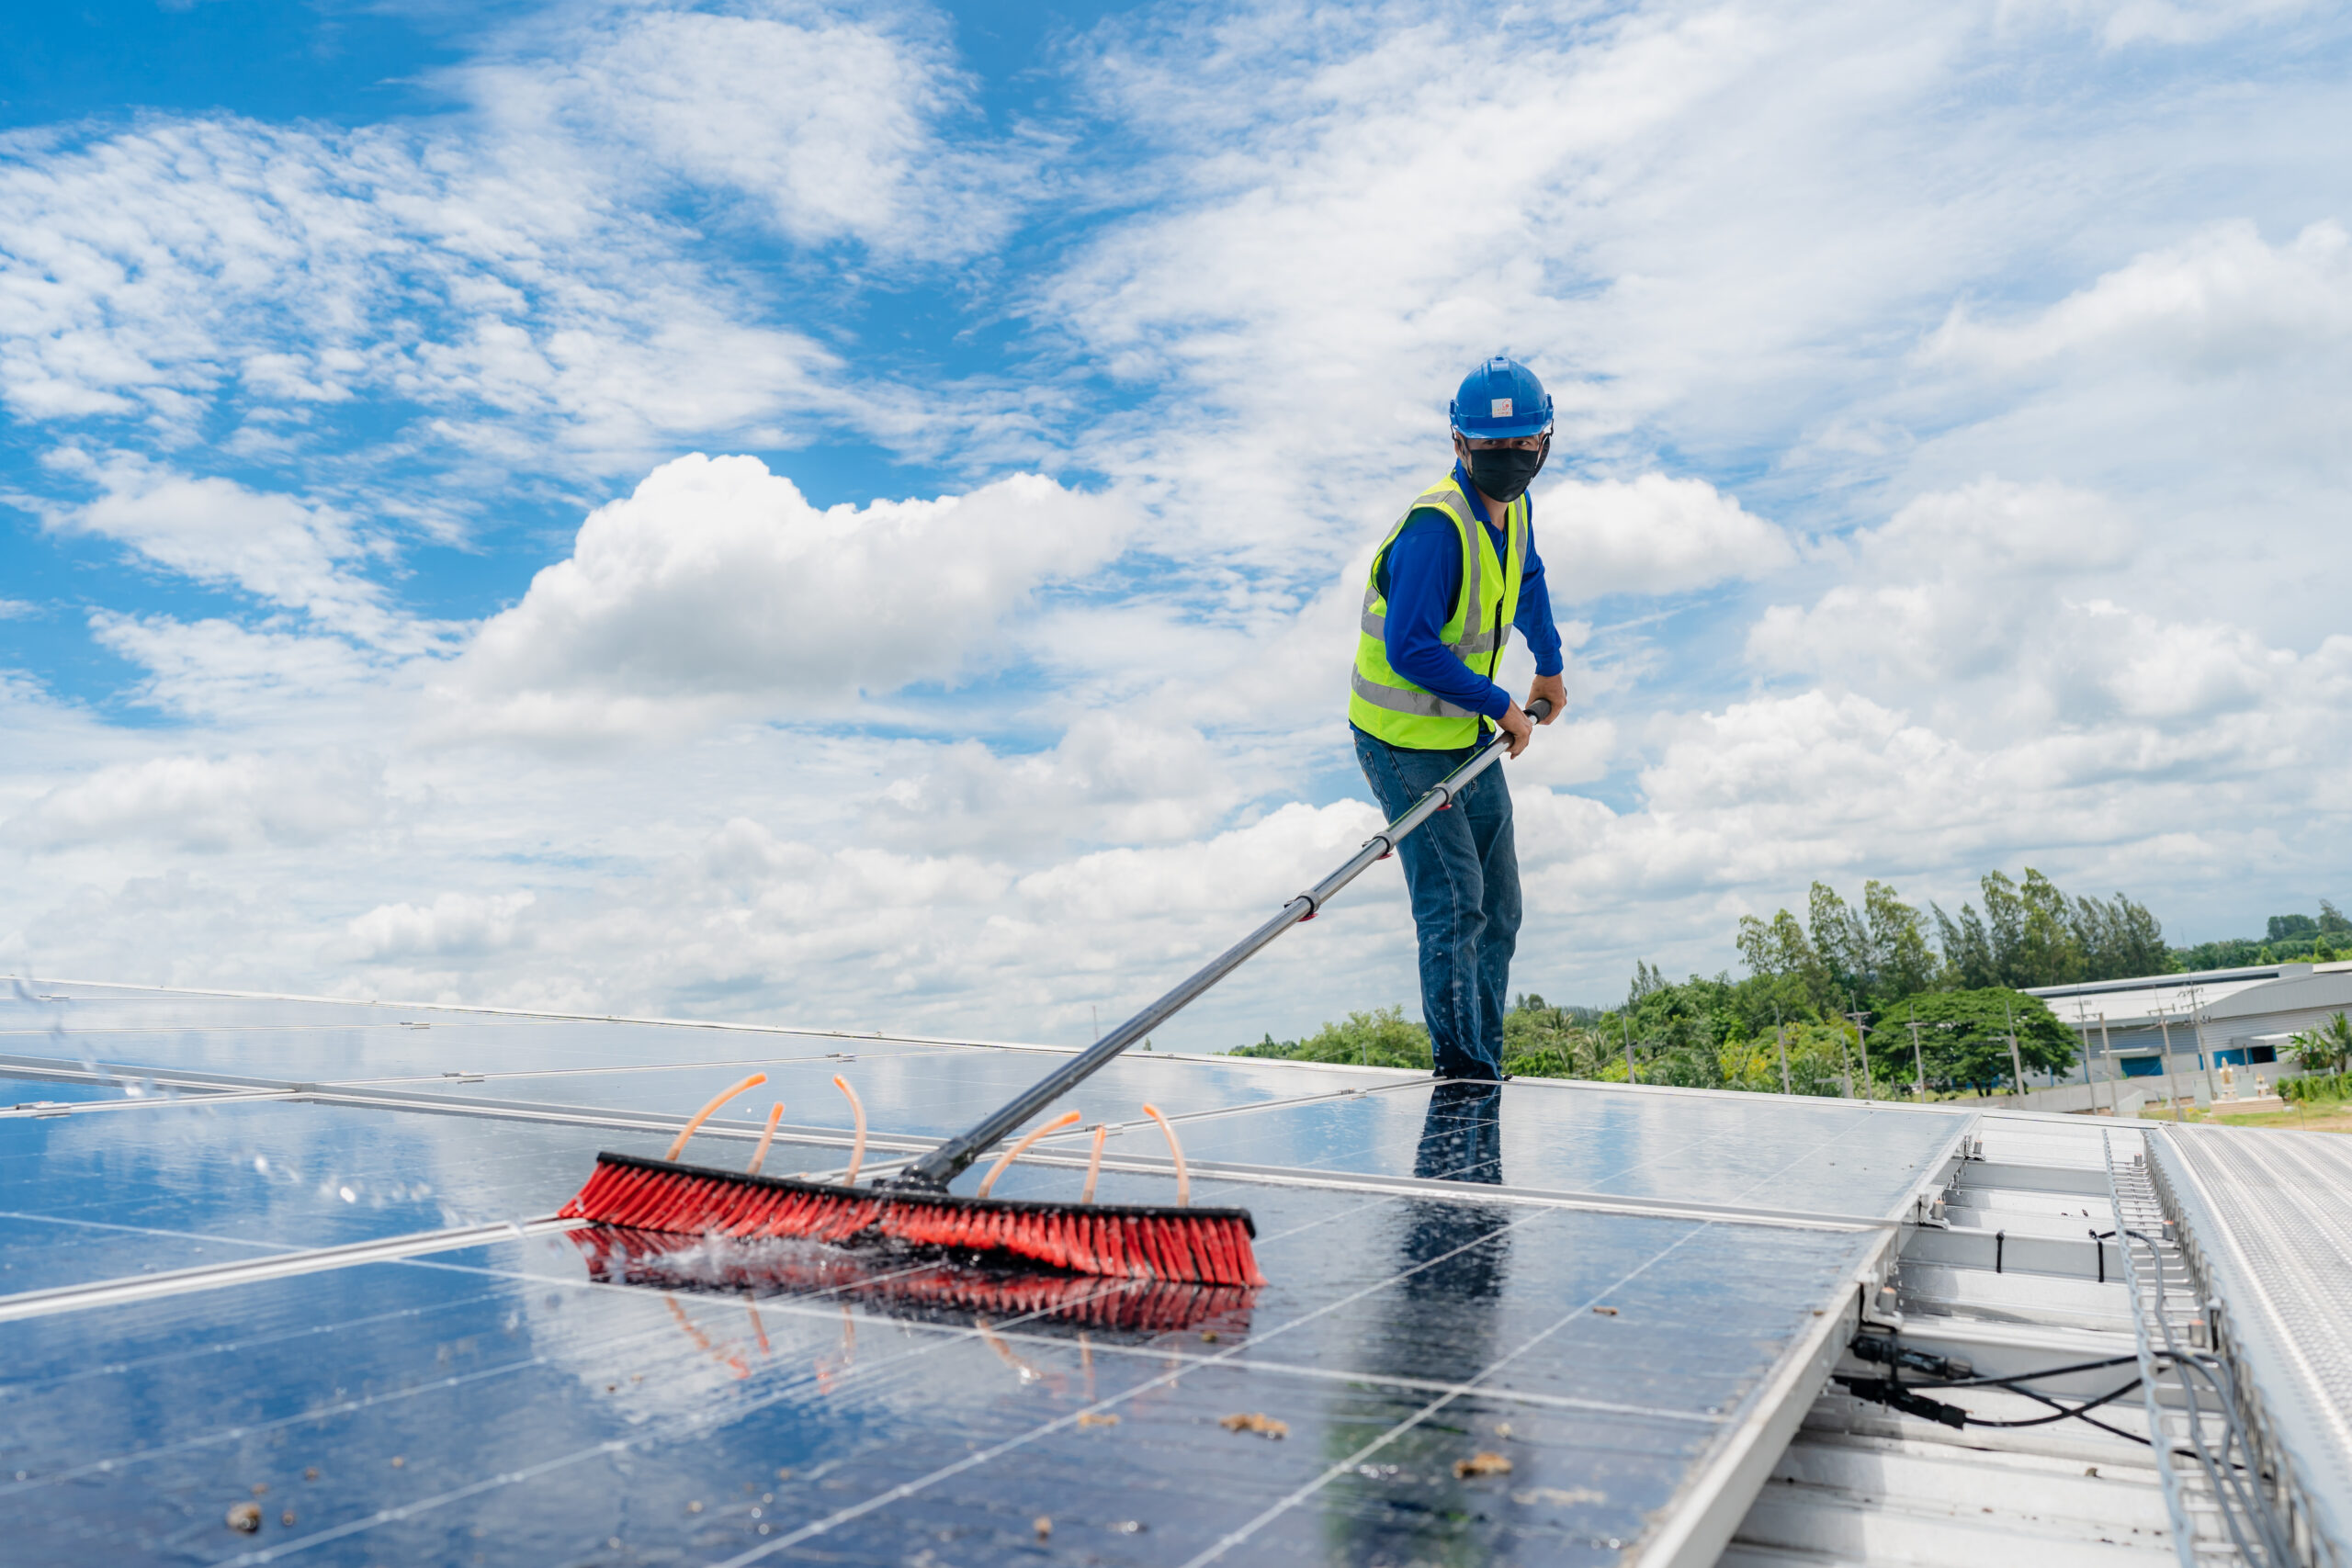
(1887, 1392)
(1890, 1352)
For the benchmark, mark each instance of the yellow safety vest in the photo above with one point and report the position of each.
(1384, 704)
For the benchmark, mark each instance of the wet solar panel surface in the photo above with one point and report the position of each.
(586, 1397)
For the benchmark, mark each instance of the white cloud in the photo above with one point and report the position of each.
(2124, 23)
(1955, 586)
(454, 924)
(1651, 534)
(824, 123)
(210, 805)
(2220, 303)
(218, 669)
(277, 547)
(1724, 235)
(503, 282)
(717, 589)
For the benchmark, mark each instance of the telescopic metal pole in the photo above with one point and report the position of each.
(1780, 1044)
(1918, 1062)
(1628, 1022)
(940, 1166)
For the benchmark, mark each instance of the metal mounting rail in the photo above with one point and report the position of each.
(2219, 1489)
(277, 1266)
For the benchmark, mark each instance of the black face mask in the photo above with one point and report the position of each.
(1505, 472)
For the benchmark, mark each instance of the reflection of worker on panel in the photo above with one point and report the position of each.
(1454, 575)
(1462, 1135)
(1440, 1321)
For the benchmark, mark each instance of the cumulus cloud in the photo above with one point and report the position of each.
(716, 588)
(1652, 535)
(454, 924)
(1930, 289)
(209, 803)
(1950, 588)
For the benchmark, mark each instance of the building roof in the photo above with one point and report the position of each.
(2130, 1003)
(2324, 985)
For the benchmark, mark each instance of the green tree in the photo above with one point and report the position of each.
(1902, 963)
(1543, 1042)
(1964, 1037)
(1782, 957)
(2033, 934)
(1384, 1037)
(1877, 954)
(2326, 1049)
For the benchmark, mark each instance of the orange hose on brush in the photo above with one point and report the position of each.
(1094, 1163)
(755, 1081)
(858, 1149)
(1017, 1150)
(1183, 1182)
(759, 1154)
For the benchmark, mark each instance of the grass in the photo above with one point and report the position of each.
(2313, 1116)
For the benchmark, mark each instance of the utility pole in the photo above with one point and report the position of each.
(2172, 1089)
(2197, 1017)
(1780, 1044)
(2017, 1061)
(2090, 1084)
(2107, 1049)
(1629, 1047)
(1861, 1047)
(1918, 1062)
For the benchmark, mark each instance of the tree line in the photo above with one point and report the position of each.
(2290, 938)
(1861, 998)
(1830, 1002)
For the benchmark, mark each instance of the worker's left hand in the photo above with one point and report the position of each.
(1553, 689)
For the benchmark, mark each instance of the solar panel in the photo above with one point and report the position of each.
(1499, 1324)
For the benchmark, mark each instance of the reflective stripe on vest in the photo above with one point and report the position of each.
(1383, 703)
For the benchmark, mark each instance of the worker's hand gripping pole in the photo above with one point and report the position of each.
(944, 1164)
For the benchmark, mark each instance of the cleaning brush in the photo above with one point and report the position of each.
(941, 1292)
(914, 1207)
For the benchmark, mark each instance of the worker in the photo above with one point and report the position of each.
(1454, 575)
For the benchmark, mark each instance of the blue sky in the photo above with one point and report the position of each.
(848, 514)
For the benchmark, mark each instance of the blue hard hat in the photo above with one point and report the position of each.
(1500, 400)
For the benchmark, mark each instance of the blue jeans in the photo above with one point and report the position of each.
(1462, 871)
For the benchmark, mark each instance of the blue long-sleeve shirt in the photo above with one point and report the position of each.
(1421, 577)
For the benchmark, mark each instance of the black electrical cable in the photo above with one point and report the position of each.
(2014, 1378)
(2065, 1412)
(2016, 1383)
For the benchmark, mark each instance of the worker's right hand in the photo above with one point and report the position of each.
(1518, 727)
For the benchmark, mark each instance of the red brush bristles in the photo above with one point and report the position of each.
(1205, 1246)
(1070, 1300)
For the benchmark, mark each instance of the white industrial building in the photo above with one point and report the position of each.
(2197, 1021)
